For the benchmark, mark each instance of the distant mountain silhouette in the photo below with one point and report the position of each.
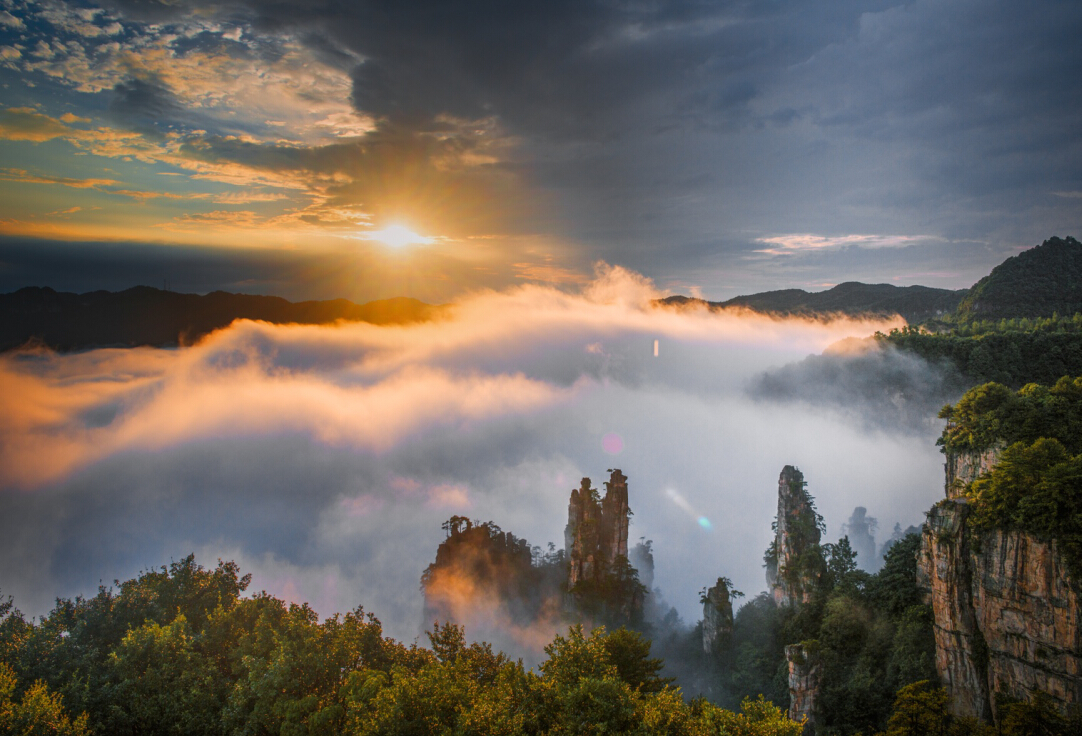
(914, 303)
(147, 316)
(1034, 283)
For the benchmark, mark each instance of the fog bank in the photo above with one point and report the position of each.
(324, 459)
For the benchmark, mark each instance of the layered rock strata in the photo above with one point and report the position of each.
(962, 468)
(1007, 617)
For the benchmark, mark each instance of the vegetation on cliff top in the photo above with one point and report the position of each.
(1021, 323)
(992, 415)
(1011, 352)
(1035, 485)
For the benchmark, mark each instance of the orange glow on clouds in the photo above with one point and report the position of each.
(352, 385)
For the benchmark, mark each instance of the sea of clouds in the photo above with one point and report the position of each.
(323, 459)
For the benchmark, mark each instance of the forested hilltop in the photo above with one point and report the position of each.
(1040, 282)
(180, 651)
(1022, 323)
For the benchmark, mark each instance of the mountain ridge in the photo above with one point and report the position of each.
(1038, 282)
(852, 298)
(147, 316)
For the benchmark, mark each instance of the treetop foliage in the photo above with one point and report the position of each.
(993, 415)
(180, 651)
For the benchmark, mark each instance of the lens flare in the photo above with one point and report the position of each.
(612, 443)
(682, 503)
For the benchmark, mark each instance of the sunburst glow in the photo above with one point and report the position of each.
(398, 236)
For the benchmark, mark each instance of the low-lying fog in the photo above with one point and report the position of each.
(324, 459)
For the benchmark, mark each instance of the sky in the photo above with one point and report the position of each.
(718, 148)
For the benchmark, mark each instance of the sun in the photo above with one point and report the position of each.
(397, 236)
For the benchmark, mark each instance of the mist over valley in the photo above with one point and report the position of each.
(324, 459)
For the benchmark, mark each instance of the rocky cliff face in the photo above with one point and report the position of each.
(1007, 619)
(794, 561)
(804, 674)
(596, 531)
(581, 533)
(717, 617)
(963, 468)
(615, 515)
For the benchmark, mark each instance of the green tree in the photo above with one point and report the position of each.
(758, 717)
(165, 685)
(629, 652)
(38, 713)
(1038, 717)
(920, 709)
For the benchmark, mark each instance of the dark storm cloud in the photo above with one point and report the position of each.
(572, 68)
(670, 136)
(991, 86)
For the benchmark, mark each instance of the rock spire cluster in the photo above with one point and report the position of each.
(596, 533)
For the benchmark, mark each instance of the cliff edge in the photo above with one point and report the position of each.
(1006, 614)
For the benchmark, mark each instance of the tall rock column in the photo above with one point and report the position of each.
(582, 533)
(943, 570)
(795, 561)
(615, 515)
(805, 670)
(717, 617)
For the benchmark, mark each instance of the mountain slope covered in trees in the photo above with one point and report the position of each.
(914, 303)
(1039, 282)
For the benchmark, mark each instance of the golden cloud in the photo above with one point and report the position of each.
(27, 124)
(365, 387)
